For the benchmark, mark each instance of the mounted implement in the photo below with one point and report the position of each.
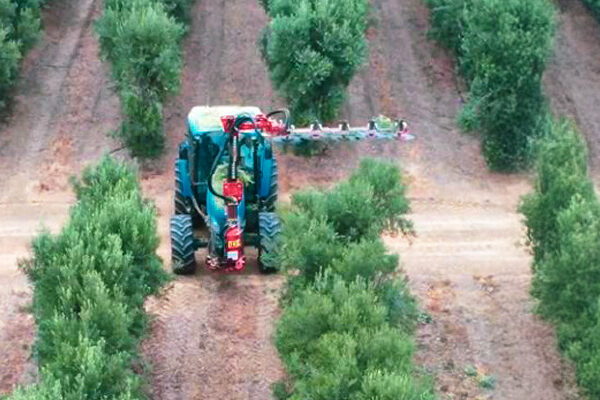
(226, 182)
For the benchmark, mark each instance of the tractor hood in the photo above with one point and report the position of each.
(208, 119)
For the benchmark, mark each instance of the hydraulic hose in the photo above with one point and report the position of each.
(286, 113)
(212, 172)
(238, 121)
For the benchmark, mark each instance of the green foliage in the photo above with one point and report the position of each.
(90, 282)
(329, 305)
(561, 174)
(566, 280)
(389, 192)
(506, 73)
(9, 68)
(562, 218)
(19, 29)
(350, 209)
(179, 9)
(502, 47)
(21, 20)
(334, 334)
(594, 6)
(313, 49)
(448, 22)
(142, 129)
(345, 331)
(401, 306)
(141, 39)
(367, 259)
(308, 244)
(394, 386)
(372, 200)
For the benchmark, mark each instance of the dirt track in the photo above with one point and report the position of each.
(211, 338)
(211, 334)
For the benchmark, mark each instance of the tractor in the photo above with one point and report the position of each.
(226, 182)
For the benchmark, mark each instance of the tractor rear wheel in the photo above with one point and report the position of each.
(269, 231)
(271, 199)
(182, 205)
(182, 245)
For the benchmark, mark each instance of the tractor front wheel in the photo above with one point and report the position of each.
(269, 230)
(271, 199)
(182, 245)
(182, 205)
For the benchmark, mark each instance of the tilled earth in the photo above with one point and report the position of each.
(211, 334)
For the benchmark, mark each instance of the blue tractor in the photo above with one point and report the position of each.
(226, 182)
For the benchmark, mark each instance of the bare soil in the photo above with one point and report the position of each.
(211, 334)
(572, 80)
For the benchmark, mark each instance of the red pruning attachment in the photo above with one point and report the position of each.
(228, 122)
(377, 128)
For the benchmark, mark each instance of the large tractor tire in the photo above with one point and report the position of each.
(182, 245)
(269, 231)
(271, 199)
(182, 205)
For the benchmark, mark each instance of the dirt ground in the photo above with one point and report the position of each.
(211, 334)
(572, 80)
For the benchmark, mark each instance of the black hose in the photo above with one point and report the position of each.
(286, 113)
(212, 172)
(238, 121)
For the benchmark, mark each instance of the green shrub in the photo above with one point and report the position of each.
(567, 280)
(27, 23)
(333, 333)
(19, 29)
(142, 128)
(9, 68)
(180, 9)
(562, 221)
(448, 22)
(141, 40)
(308, 245)
(561, 167)
(330, 305)
(346, 326)
(506, 72)
(313, 49)
(394, 386)
(389, 192)
(502, 47)
(21, 19)
(372, 200)
(567, 284)
(367, 259)
(585, 350)
(90, 282)
(401, 306)
(144, 49)
(351, 210)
